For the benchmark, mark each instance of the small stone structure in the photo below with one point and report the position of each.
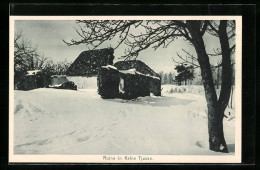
(89, 62)
(126, 84)
(29, 82)
(32, 80)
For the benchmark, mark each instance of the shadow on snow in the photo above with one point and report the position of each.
(154, 101)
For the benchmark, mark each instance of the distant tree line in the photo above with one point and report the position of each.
(185, 74)
(167, 78)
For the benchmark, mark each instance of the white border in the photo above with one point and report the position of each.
(236, 158)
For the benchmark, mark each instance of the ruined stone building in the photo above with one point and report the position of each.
(32, 80)
(89, 62)
(141, 67)
(128, 80)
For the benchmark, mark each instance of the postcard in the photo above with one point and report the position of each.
(125, 89)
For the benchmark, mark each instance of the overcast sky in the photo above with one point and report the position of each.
(48, 36)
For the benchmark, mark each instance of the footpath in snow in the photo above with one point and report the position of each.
(54, 121)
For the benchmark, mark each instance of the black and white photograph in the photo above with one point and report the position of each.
(125, 89)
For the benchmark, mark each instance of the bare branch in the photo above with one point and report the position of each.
(232, 49)
(216, 54)
(186, 61)
(212, 28)
(189, 55)
(204, 28)
(156, 34)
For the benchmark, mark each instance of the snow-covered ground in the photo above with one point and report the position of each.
(55, 121)
(194, 89)
(84, 82)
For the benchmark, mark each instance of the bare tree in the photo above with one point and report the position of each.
(158, 34)
(26, 57)
(165, 79)
(218, 74)
(170, 78)
(58, 68)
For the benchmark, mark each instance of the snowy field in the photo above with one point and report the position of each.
(54, 121)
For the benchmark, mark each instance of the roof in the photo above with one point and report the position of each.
(98, 52)
(88, 62)
(138, 65)
(130, 71)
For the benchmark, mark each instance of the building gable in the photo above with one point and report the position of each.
(89, 62)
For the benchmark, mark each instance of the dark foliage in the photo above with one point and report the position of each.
(185, 72)
(68, 85)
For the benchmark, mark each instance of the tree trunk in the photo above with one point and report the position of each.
(218, 78)
(226, 67)
(215, 118)
(231, 97)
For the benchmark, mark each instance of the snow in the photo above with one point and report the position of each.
(133, 71)
(130, 71)
(56, 85)
(53, 121)
(109, 67)
(195, 89)
(84, 82)
(33, 72)
(153, 76)
(199, 90)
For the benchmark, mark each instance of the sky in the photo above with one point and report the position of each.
(48, 35)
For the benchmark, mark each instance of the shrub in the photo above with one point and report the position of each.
(68, 85)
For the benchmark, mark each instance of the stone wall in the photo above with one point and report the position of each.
(108, 83)
(135, 85)
(155, 86)
(113, 83)
(30, 82)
